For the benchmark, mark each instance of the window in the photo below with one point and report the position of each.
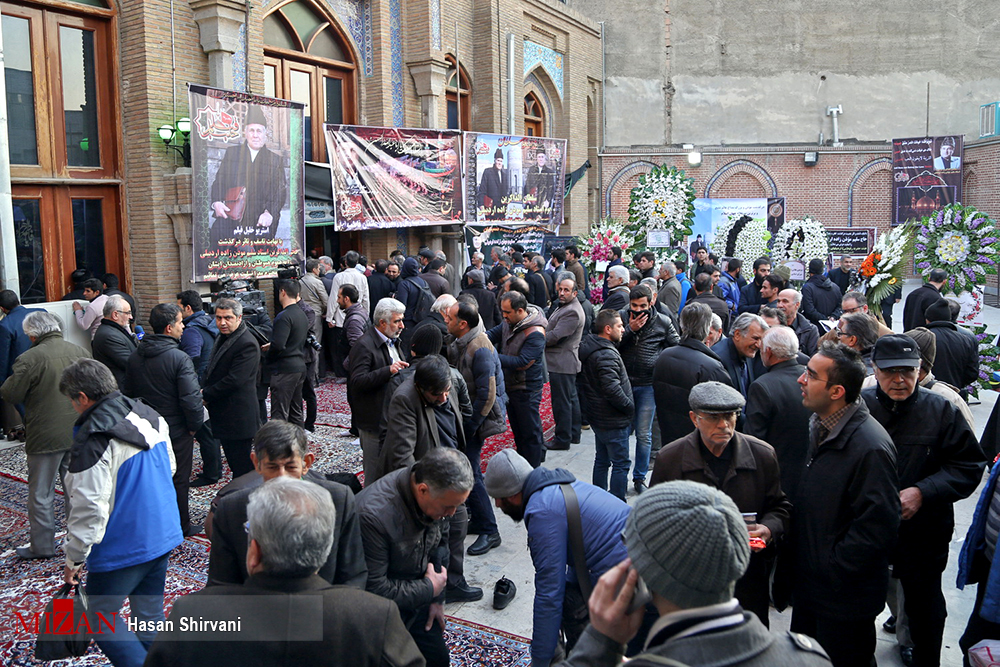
(452, 95)
(534, 116)
(64, 143)
(308, 60)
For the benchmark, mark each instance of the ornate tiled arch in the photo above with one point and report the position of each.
(533, 83)
(624, 172)
(878, 164)
(742, 167)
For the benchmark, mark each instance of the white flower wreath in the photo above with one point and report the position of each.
(750, 243)
(800, 240)
(663, 200)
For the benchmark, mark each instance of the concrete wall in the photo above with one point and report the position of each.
(741, 73)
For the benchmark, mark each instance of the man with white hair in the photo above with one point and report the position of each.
(739, 350)
(48, 423)
(374, 359)
(789, 301)
(618, 289)
(286, 612)
(715, 333)
(774, 411)
(670, 292)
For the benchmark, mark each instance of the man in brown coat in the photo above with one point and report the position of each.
(742, 467)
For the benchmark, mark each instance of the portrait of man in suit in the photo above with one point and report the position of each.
(946, 155)
(494, 186)
(539, 187)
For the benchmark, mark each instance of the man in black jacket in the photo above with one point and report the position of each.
(374, 359)
(379, 284)
(286, 355)
(739, 351)
(230, 387)
(750, 300)
(539, 293)
(489, 307)
(789, 301)
(702, 292)
(162, 375)
(609, 394)
(915, 308)
(940, 462)
(280, 450)
(113, 343)
(820, 296)
(647, 333)
(847, 512)
(678, 369)
(957, 360)
(618, 289)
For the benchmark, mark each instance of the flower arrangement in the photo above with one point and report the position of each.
(596, 247)
(962, 241)
(664, 199)
(989, 360)
(884, 267)
(800, 240)
(742, 237)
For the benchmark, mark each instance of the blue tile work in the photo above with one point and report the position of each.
(240, 62)
(396, 60)
(357, 16)
(436, 23)
(550, 60)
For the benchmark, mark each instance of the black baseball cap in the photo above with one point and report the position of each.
(896, 351)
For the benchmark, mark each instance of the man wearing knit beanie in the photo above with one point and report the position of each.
(957, 358)
(689, 544)
(536, 497)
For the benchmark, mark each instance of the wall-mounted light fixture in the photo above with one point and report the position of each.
(811, 158)
(168, 133)
(694, 157)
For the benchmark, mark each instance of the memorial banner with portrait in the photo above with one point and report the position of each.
(514, 179)
(500, 238)
(926, 176)
(247, 184)
(387, 177)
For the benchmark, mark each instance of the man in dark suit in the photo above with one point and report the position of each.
(738, 351)
(260, 174)
(374, 359)
(562, 359)
(13, 341)
(280, 450)
(286, 613)
(494, 186)
(230, 386)
(774, 411)
(920, 298)
(703, 294)
(539, 188)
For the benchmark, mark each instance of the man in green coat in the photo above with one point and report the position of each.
(48, 423)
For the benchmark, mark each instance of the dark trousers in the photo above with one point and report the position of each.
(526, 424)
(582, 400)
(978, 628)
(925, 608)
(430, 642)
(238, 455)
(286, 397)
(458, 528)
(309, 396)
(849, 642)
(482, 520)
(183, 446)
(337, 352)
(565, 408)
(211, 452)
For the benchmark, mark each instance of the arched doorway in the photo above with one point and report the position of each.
(455, 91)
(534, 116)
(308, 59)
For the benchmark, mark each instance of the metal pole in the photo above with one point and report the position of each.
(510, 84)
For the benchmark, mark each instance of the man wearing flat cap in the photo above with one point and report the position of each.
(689, 545)
(494, 186)
(250, 189)
(741, 466)
(536, 496)
(939, 462)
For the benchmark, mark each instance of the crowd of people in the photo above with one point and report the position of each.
(790, 450)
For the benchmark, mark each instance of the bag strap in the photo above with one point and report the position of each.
(576, 539)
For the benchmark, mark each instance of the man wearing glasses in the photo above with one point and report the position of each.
(940, 462)
(847, 511)
(113, 342)
(858, 332)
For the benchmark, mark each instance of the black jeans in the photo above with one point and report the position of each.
(309, 396)
(482, 520)
(430, 642)
(183, 446)
(286, 397)
(211, 453)
(526, 424)
(565, 408)
(238, 455)
(926, 610)
(849, 642)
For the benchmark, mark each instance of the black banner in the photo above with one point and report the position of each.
(850, 240)
(926, 175)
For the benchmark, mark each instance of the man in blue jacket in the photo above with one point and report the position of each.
(978, 564)
(536, 496)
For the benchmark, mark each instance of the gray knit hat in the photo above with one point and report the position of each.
(505, 474)
(688, 542)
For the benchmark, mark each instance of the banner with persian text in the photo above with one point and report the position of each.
(386, 177)
(926, 176)
(246, 200)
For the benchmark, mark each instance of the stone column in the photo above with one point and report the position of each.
(178, 189)
(219, 24)
(430, 77)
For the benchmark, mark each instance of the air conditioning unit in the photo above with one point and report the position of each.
(989, 120)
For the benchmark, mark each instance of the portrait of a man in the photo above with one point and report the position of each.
(539, 186)
(250, 188)
(494, 186)
(946, 155)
